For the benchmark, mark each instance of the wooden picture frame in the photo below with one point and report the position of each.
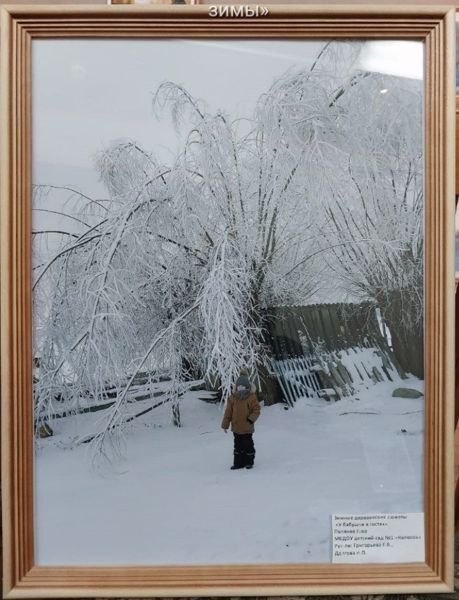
(20, 25)
(456, 501)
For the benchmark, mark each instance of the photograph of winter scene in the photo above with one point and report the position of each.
(227, 294)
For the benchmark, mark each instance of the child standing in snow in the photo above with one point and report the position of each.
(242, 410)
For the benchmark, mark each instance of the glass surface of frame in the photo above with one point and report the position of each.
(233, 282)
(271, 227)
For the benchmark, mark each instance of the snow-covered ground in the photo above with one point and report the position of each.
(174, 499)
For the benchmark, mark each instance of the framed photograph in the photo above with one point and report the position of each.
(227, 300)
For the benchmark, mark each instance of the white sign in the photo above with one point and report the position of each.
(378, 538)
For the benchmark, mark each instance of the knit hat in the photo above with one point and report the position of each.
(244, 381)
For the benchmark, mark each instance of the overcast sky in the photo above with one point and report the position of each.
(87, 93)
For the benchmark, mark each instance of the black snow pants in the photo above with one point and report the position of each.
(244, 450)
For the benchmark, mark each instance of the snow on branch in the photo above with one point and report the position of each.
(229, 316)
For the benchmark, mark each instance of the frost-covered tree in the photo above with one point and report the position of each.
(375, 228)
(362, 135)
(174, 273)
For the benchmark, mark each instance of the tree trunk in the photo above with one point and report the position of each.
(406, 329)
(270, 391)
(176, 418)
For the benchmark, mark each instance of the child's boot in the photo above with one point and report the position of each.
(238, 461)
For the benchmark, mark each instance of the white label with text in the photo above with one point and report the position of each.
(378, 538)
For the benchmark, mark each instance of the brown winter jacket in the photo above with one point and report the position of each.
(241, 414)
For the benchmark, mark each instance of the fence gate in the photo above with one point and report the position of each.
(297, 378)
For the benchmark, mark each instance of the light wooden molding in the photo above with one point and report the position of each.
(20, 25)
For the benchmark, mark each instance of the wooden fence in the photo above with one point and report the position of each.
(337, 326)
(329, 351)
